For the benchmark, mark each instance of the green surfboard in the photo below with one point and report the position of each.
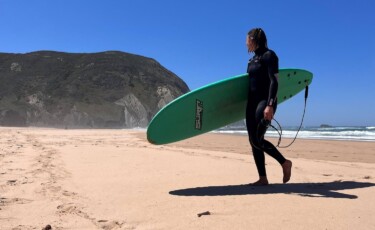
(216, 105)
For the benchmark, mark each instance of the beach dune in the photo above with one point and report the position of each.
(115, 179)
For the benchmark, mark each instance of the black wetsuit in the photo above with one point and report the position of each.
(262, 68)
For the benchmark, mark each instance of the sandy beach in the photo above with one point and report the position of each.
(115, 179)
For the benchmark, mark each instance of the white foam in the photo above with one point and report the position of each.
(340, 133)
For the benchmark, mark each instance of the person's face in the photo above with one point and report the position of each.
(250, 44)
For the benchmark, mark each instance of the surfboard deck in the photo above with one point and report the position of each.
(216, 105)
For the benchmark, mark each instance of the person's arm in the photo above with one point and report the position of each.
(272, 63)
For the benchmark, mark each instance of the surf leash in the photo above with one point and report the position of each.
(300, 126)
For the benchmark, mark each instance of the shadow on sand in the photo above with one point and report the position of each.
(326, 190)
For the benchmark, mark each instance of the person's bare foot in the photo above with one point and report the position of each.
(287, 170)
(261, 182)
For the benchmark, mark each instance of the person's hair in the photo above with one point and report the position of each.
(259, 37)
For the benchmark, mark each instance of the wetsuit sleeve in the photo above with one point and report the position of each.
(272, 62)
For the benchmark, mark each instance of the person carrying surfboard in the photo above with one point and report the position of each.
(263, 70)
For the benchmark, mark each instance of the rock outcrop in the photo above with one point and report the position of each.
(75, 90)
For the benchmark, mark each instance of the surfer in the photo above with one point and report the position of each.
(263, 70)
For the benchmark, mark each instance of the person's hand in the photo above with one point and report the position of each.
(268, 113)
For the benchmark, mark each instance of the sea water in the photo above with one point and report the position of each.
(350, 133)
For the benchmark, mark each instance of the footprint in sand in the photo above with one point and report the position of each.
(7, 201)
(105, 224)
(67, 208)
(11, 182)
(67, 193)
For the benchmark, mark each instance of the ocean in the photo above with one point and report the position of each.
(349, 133)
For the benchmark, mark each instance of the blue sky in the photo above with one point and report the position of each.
(204, 41)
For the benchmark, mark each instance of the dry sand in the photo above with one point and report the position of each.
(115, 179)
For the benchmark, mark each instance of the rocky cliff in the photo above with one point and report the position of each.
(75, 90)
